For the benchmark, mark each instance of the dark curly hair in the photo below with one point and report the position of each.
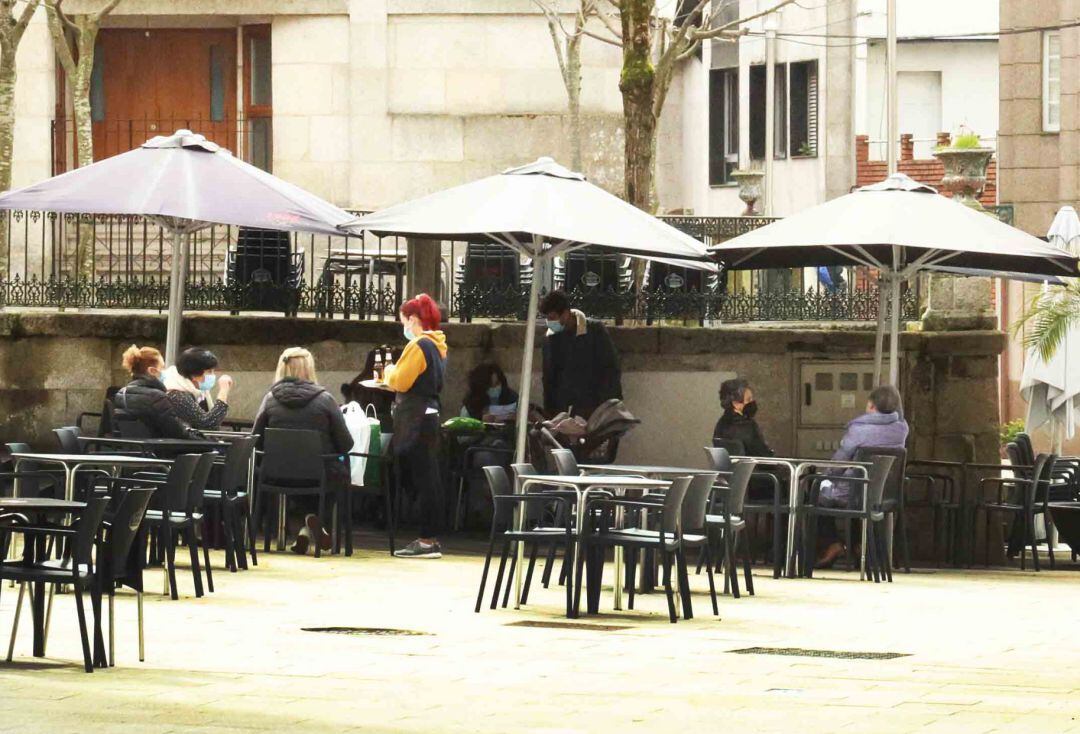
(732, 391)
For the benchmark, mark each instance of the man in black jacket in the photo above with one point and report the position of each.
(581, 366)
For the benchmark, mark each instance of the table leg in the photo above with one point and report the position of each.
(618, 564)
(37, 612)
(793, 506)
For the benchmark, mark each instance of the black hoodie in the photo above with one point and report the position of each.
(145, 400)
(303, 405)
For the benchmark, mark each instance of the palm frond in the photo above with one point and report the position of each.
(1049, 317)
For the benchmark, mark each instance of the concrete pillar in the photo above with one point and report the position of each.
(424, 271)
(838, 87)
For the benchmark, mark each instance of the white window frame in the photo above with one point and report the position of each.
(1050, 105)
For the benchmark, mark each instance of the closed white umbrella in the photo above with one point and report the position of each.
(540, 210)
(900, 227)
(1052, 389)
(185, 183)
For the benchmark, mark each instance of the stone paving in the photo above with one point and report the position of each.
(984, 651)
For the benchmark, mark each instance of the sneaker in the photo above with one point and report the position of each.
(303, 540)
(416, 549)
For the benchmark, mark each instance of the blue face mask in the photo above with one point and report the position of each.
(494, 392)
(554, 327)
(208, 382)
(408, 333)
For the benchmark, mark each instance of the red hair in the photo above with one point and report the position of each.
(423, 307)
(137, 360)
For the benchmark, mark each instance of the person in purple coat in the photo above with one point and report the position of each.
(881, 426)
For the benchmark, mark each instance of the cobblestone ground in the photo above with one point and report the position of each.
(984, 651)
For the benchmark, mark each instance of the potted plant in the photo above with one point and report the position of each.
(965, 161)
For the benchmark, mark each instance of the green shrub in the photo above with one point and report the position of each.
(1011, 430)
(965, 141)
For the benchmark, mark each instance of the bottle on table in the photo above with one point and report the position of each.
(388, 360)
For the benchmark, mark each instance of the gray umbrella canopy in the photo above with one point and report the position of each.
(900, 227)
(541, 210)
(185, 183)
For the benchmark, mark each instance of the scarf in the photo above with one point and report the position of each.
(175, 381)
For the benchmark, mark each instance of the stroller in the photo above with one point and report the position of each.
(595, 441)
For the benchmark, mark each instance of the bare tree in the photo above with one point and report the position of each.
(13, 24)
(567, 44)
(74, 37)
(652, 49)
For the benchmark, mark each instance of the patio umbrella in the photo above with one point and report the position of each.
(1052, 389)
(184, 183)
(540, 210)
(900, 227)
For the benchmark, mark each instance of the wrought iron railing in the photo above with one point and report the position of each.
(114, 262)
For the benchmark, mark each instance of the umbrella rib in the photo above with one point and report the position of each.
(868, 261)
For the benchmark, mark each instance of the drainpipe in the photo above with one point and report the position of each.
(891, 97)
(770, 108)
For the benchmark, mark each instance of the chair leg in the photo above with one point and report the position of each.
(87, 660)
(901, 519)
(206, 561)
(707, 552)
(871, 559)
(668, 591)
(631, 573)
(576, 576)
(568, 560)
(529, 573)
(322, 521)
(684, 584)
(142, 640)
(886, 566)
(193, 552)
(170, 560)
(545, 577)
(732, 563)
(747, 575)
(15, 624)
(48, 614)
(484, 574)
(1034, 550)
(112, 629)
(499, 576)
(228, 528)
(510, 575)
(1049, 540)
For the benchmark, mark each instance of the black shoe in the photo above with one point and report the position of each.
(416, 549)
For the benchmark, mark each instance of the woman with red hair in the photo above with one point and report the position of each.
(417, 378)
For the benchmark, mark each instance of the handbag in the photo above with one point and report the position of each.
(373, 469)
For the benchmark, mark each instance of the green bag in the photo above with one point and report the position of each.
(461, 424)
(373, 469)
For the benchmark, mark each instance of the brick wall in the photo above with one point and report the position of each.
(924, 170)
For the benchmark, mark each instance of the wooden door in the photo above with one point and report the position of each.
(154, 81)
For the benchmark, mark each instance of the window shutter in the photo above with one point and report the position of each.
(811, 108)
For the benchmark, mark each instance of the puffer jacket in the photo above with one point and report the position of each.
(145, 399)
(303, 405)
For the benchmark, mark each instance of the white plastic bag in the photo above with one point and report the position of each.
(359, 423)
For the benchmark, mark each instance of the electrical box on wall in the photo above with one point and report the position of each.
(830, 395)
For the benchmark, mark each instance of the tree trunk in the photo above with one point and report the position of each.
(636, 83)
(81, 257)
(573, 95)
(7, 140)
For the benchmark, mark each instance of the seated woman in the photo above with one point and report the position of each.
(737, 423)
(489, 397)
(189, 383)
(145, 400)
(296, 401)
(881, 426)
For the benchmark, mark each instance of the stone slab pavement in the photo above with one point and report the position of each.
(983, 651)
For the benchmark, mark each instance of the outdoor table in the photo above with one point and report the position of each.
(582, 486)
(40, 507)
(369, 264)
(156, 446)
(72, 463)
(796, 468)
(642, 470)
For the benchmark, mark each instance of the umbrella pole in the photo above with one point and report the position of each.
(880, 333)
(894, 332)
(177, 277)
(523, 403)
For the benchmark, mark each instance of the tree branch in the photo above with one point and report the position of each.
(27, 14)
(605, 39)
(111, 6)
(609, 24)
(726, 29)
(60, 41)
(55, 5)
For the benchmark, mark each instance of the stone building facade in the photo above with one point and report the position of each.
(1039, 145)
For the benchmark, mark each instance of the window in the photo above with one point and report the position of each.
(723, 125)
(258, 98)
(217, 84)
(802, 120)
(97, 88)
(757, 112)
(1051, 82)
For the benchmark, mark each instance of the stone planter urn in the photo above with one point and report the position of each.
(750, 190)
(961, 303)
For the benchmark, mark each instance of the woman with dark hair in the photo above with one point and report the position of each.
(489, 395)
(737, 423)
(189, 383)
(417, 378)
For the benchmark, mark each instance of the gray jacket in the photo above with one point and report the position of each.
(883, 430)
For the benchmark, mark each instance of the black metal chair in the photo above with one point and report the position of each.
(894, 497)
(31, 478)
(77, 568)
(777, 508)
(871, 513)
(170, 515)
(293, 464)
(533, 533)
(68, 438)
(1028, 497)
(118, 564)
(227, 491)
(600, 532)
(726, 522)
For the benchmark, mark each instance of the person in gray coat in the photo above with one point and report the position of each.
(881, 426)
(296, 401)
